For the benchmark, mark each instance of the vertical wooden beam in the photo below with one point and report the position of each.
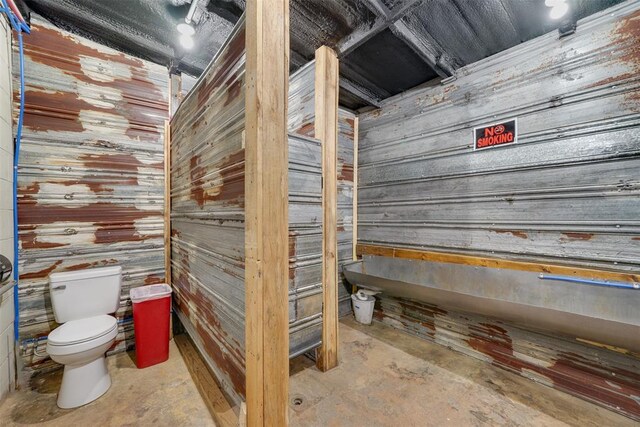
(266, 213)
(167, 202)
(326, 127)
(355, 187)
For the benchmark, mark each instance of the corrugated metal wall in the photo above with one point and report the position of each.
(305, 244)
(567, 192)
(608, 378)
(347, 134)
(207, 213)
(302, 122)
(91, 173)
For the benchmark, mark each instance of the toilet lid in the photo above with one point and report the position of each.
(81, 330)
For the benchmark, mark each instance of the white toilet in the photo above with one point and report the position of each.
(82, 301)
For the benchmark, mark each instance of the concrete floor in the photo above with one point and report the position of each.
(161, 395)
(385, 378)
(415, 383)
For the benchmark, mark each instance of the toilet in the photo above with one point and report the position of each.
(82, 303)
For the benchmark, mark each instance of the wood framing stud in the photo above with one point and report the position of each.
(266, 213)
(326, 127)
(167, 202)
(587, 273)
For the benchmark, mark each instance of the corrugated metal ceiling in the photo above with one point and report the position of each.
(387, 46)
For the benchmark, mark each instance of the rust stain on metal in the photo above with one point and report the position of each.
(206, 316)
(124, 233)
(578, 236)
(153, 279)
(40, 274)
(519, 234)
(230, 56)
(93, 132)
(231, 172)
(59, 111)
(625, 37)
(308, 129)
(601, 376)
(346, 171)
(117, 161)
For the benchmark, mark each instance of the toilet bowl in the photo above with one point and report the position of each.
(82, 301)
(80, 346)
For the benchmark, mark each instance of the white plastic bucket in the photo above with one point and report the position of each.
(363, 307)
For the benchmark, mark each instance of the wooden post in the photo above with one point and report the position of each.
(266, 213)
(167, 202)
(326, 127)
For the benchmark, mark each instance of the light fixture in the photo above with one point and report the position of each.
(552, 3)
(186, 41)
(186, 29)
(559, 10)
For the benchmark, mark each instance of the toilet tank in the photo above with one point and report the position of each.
(85, 293)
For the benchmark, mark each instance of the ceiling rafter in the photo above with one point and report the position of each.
(383, 21)
(424, 46)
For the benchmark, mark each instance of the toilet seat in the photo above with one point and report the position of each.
(81, 335)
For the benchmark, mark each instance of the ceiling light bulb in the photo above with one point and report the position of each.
(553, 3)
(186, 29)
(186, 41)
(558, 11)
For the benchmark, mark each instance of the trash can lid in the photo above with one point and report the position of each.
(149, 292)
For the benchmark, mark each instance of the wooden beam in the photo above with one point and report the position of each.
(167, 202)
(356, 128)
(453, 258)
(266, 213)
(326, 127)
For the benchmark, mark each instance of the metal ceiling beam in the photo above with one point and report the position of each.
(424, 46)
(383, 21)
(359, 92)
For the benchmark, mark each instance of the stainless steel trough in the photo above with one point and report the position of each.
(602, 314)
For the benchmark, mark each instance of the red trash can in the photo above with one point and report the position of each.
(151, 314)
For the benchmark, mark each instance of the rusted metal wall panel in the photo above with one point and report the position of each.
(346, 138)
(600, 375)
(567, 192)
(302, 98)
(207, 212)
(302, 122)
(90, 175)
(207, 216)
(305, 244)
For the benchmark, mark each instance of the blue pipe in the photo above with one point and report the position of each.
(619, 285)
(19, 27)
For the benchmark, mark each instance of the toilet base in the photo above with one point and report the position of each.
(83, 383)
